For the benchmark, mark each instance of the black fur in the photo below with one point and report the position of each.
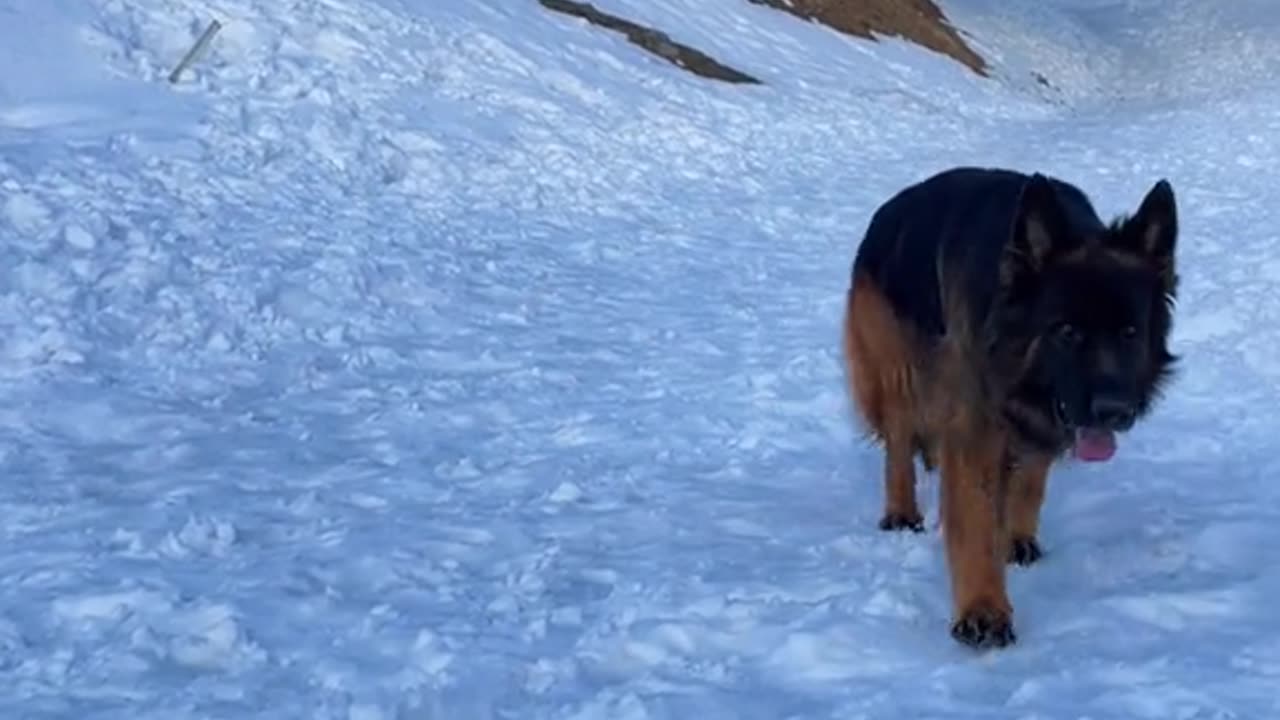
(1069, 315)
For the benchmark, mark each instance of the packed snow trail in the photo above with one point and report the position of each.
(452, 360)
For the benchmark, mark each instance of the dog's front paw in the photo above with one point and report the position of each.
(984, 626)
(1025, 551)
(893, 521)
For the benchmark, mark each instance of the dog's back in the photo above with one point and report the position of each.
(953, 224)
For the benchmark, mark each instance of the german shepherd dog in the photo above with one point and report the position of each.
(994, 323)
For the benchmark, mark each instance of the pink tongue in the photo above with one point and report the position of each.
(1095, 445)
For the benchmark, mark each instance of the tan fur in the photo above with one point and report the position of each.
(974, 526)
(882, 382)
(911, 395)
(1026, 496)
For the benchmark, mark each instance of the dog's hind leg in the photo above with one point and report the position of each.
(880, 374)
(901, 510)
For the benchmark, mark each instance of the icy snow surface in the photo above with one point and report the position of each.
(451, 359)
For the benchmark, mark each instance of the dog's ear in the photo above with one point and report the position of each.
(1039, 230)
(1153, 229)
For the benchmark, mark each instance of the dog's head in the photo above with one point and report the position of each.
(1094, 308)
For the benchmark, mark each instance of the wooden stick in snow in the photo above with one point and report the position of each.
(194, 52)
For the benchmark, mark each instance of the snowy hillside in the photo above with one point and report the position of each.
(458, 360)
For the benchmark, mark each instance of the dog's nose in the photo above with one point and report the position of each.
(1111, 409)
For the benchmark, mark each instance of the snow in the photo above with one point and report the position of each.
(457, 360)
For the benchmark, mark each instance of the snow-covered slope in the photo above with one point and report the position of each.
(1180, 52)
(456, 360)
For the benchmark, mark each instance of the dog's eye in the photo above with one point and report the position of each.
(1129, 332)
(1067, 333)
